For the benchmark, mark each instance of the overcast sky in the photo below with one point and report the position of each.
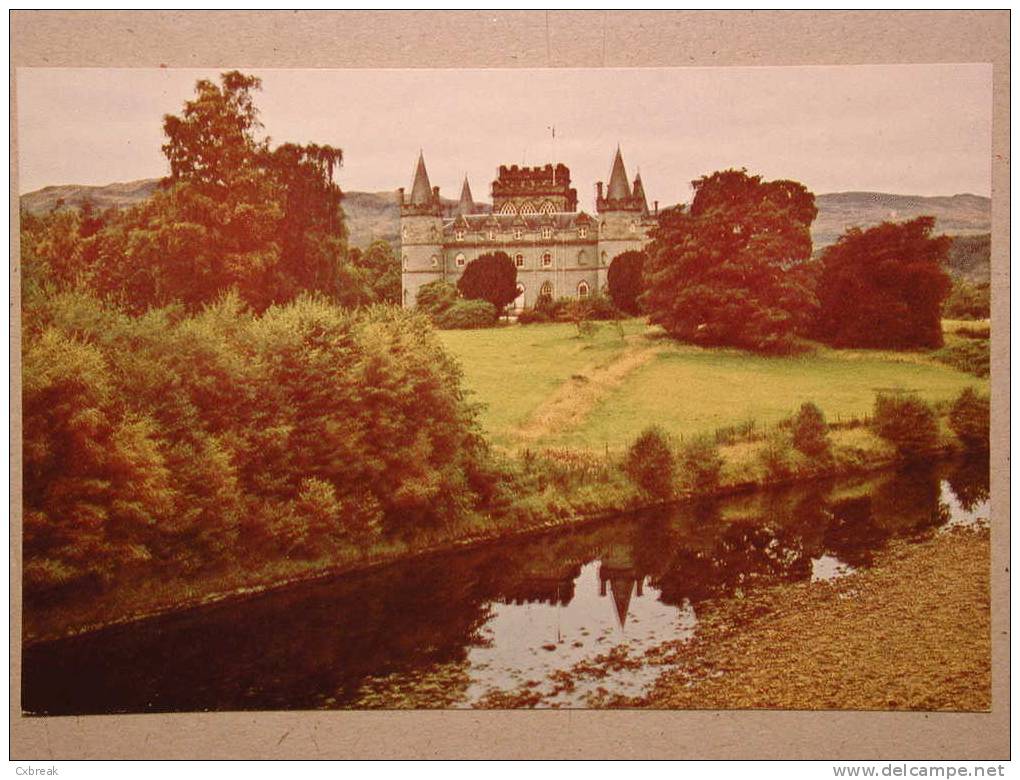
(912, 129)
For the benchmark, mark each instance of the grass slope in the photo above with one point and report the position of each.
(519, 373)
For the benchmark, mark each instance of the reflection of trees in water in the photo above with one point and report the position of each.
(300, 647)
(970, 480)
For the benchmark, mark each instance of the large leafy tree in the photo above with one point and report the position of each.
(884, 286)
(729, 269)
(625, 280)
(232, 214)
(490, 277)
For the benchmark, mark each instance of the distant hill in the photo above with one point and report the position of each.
(957, 215)
(376, 216)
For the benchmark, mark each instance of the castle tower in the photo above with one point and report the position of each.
(466, 205)
(621, 213)
(421, 234)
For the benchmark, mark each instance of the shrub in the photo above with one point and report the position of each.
(972, 356)
(465, 315)
(532, 316)
(775, 457)
(701, 464)
(968, 301)
(907, 422)
(970, 419)
(650, 463)
(490, 277)
(436, 297)
(624, 280)
(810, 431)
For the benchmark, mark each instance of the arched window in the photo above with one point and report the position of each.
(604, 258)
(405, 297)
(518, 234)
(460, 260)
(583, 289)
(492, 234)
(547, 232)
(403, 232)
(519, 300)
(633, 227)
(547, 260)
(459, 234)
(405, 262)
(546, 290)
(582, 258)
(519, 261)
(435, 261)
(507, 208)
(548, 208)
(527, 209)
(582, 232)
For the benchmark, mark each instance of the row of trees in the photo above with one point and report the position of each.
(234, 214)
(736, 269)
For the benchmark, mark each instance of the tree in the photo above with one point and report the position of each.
(970, 419)
(232, 215)
(728, 270)
(379, 271)
(650, 463)
(625, 281)
(883, 287)
(490, 277)
(908, 422)
(810, 432)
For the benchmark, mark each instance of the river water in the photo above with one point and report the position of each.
(552, 620)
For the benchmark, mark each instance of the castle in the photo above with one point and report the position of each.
(559, 251)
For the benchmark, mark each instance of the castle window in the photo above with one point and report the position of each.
(519, 300)
(546, 291)
(518, 234)
(519, 261)
(582, 258)
(459, 234)
(526, 209)
(547, 208)
(583, 290)
(547, 259)
(492, 235)
(604, 257)
(460, 260)
(582, 232)
(633, 227)
(405, 262)
(403, 232)
(435, 261)
(547, 232)
(507, 208)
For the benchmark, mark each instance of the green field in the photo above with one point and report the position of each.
(542, 385)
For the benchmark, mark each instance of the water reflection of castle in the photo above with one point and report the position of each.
(554, 582)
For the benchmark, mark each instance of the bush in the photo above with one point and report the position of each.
(532, 316)
(907, 422)
(810, 431)
(650, 463)
(701, 464)
(972, 356)
(968, 301)
(775, 457)
(465, 315)
(436, 297)
(624, 280)
(970, 419)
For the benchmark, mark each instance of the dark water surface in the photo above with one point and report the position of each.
(452, 628)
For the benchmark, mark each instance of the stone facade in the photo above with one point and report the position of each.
(559, 251)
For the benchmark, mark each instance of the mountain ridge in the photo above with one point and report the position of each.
(376, 215)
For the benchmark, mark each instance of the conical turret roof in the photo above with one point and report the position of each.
(421, 190)
(467, 203)
(618, 185)
(639, 192)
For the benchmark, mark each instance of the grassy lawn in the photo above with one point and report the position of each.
(515, 370)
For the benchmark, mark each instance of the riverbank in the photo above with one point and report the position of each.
(591, 494)
(913, 632)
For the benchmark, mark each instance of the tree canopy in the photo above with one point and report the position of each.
(490, 277)
(884, 287)
(729, 269)
(625, 280)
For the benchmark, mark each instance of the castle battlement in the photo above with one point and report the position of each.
(559, 252)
